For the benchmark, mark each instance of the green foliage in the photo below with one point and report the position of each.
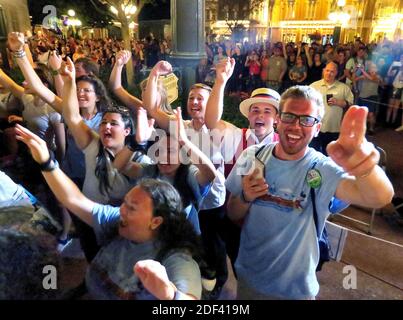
(232, 114)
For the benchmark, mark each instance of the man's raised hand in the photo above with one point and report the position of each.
(351, 150)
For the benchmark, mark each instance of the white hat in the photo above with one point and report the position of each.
(261, 95)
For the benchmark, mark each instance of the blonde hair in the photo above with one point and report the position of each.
(164, 106)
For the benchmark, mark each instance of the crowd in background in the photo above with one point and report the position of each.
(82, 97)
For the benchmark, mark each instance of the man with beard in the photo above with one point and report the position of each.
(279, 251)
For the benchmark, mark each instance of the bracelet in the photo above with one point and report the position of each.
(242, 196)
(50, 165)
(54, 72)
(19, 53)
(132, 144)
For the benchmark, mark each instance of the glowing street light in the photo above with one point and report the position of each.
(114, 10)
(71, 13)
(129, 10)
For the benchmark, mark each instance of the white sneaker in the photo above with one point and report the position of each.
(399, 129)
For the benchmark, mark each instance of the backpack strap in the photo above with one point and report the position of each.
(263, 153)
(313, 199)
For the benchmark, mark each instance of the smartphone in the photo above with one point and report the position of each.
(259, 165)
(328, 96)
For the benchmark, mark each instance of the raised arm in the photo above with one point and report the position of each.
(115, 81)
(9, 84)
(308, 56)
(367, 184)
(64, 189)
(16, 43)
(82, 134)
(152, 98)
(54, 63)
(215, 103)
(207, 171)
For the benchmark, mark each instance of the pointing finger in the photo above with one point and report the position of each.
(353, 126)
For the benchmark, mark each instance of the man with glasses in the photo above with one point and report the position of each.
(279, 251)
(337, 97)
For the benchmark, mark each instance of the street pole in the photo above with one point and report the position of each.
(188, 39)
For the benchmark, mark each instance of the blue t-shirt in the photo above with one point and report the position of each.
(199, 192)
(279, 251)
(110, 275)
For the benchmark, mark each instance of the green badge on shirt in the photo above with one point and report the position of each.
(313, 178)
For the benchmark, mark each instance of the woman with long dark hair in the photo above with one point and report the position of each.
(149, 249)
(178, 161)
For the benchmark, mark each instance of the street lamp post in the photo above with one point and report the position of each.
(340, 18)
(270, 8)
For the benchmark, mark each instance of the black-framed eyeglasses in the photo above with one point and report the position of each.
(304, 120)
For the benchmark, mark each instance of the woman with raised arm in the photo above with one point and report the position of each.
(178, 161)
(92, 100)
(149, 249)
(37, 114)
(130, 101)
(213, 144)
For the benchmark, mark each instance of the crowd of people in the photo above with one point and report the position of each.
(158, 202)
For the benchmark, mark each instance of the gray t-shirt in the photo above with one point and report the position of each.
(110, 275)
(40, 120)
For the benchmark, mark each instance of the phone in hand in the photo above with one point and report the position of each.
(328, 97)
(259, 165)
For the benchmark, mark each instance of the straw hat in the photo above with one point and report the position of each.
(261, 95)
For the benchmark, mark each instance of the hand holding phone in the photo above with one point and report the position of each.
(259, 166)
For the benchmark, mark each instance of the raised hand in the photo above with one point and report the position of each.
(179, 130)
(36, 145)
(16, 41)
(68, 70)
(54, 60)
(122, 57)
(351, 150)
(145, 126)
(162, 68)
(224, 69)
(155, 279)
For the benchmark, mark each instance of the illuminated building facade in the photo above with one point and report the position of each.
(303, 20)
